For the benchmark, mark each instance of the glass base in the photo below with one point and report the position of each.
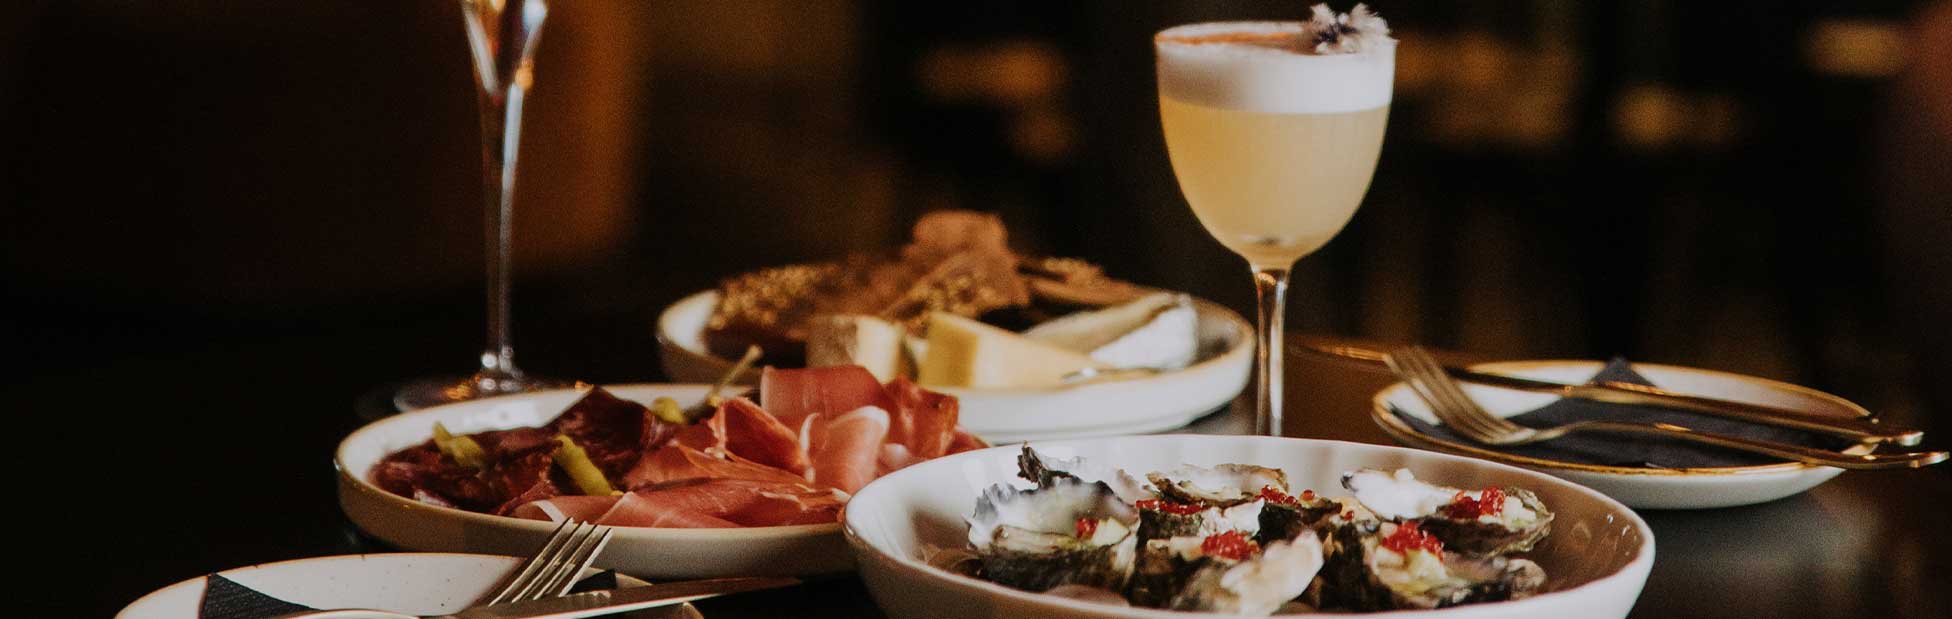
(427, 392)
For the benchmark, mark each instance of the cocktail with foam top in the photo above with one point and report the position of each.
(1274, 129)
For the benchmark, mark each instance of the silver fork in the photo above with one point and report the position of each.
(1447, 400)
(551, 572)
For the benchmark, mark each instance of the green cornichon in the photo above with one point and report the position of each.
(461, 449)
(589, 480)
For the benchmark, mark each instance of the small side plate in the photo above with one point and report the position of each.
(1654, 488)
(407, 582)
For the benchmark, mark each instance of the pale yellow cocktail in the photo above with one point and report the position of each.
(1274, 130)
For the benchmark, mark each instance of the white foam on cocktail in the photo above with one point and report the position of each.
(1195, 66)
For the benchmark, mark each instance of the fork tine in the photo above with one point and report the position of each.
(525, 576)
(537, 587)
(1497, 430)
(1421, 371)
(1458, 409)
(566, 576)
(1466, 405)
(1402, 362)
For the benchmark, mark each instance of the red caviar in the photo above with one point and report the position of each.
(1269, 494)
(1490, 502)
(1410, 536)
(1169, 507)
(1232, 545)
(1087, 527)
(1308, 495)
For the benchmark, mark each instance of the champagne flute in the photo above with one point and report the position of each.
(1274, 129)
(501, 36)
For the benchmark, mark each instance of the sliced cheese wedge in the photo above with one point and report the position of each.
(853, 339)
(965, 353)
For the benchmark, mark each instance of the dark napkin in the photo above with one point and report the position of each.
(224, 598)
(1602, 448)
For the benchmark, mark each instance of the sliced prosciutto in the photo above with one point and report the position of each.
(846, 447)
(643, 510)
(697, 503)
(923, 421)
(755, 434)
(964, 441)
(675, 462)
(791, 395)
(555, 509)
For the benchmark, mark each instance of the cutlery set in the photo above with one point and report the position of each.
(1438, 386)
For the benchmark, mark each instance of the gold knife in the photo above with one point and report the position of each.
(1860, 429)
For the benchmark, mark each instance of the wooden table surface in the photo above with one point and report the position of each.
(1873, 545)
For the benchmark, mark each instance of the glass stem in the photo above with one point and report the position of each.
(1270, 290)
(501, 138)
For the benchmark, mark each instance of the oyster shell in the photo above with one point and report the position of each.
(1282, 520)
(1034, 539)
(1157, 522)
(1045, 471)
(1362, 575)
(1517, 523)
(1175, 573)
(1225, 485)
(1257, 586)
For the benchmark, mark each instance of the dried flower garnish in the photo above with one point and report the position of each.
(1328, 32)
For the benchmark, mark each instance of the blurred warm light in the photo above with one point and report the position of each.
(1654, 115)
(1043, 134)
(1008, 72)
(1480, 61)
(1718, 119)
(1482, 88)
(1649, 115)
(1861, 48)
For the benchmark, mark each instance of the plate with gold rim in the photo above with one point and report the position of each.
(1653, 487)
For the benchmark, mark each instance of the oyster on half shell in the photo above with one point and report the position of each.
(1067, 533)
(1514, 521)
(1177, 573)
(1044, 471)
(1224, 485)
(1160, 521)
(1362, 574)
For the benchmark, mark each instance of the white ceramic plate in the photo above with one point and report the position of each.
(414, 583)
(657, 553)
(1595, 560)
(1681, 488)
(1130, 406)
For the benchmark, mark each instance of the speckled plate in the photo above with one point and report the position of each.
(1642, 487)
(650, 552)
(407, 582)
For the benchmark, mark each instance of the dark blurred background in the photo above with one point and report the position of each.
(230, 204)
(1755, 186)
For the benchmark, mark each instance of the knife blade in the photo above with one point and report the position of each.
(595, 603)
(1861, 429)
